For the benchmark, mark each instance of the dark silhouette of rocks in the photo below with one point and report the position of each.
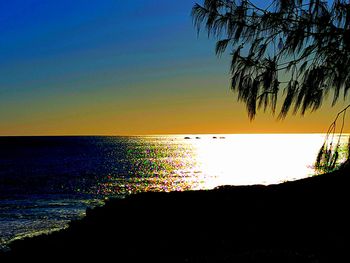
(301, 221)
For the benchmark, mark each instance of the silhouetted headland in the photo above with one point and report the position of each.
(300, 221)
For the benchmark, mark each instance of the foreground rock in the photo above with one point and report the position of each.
(302, 221)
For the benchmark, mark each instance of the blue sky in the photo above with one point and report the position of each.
(114, 67)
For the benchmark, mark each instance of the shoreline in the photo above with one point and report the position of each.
(299, 221)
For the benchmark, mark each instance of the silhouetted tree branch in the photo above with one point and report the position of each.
(328, 156)
(307, 42)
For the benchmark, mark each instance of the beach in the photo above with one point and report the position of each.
(123, 139)
(45, 182)
(301, 221)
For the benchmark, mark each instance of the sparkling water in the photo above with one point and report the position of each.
(47, 181)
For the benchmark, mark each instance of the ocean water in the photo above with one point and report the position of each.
(47, 181)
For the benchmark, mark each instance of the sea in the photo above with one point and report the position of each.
(45, 182)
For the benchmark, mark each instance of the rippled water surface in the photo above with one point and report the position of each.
(47, 181)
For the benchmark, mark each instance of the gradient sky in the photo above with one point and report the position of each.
(92, 67)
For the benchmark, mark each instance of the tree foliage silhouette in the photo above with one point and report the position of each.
(295, 47)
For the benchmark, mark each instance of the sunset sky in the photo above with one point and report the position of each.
(92, 67)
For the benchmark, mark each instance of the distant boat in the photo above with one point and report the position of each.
(214, 137)
(187, 138)
(222, 137)
(198, 137)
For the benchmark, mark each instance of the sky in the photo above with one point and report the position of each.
(112, 67)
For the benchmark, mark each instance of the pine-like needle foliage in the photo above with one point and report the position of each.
(300, 47)
(333, 154)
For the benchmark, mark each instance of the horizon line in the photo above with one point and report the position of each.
(168, 134)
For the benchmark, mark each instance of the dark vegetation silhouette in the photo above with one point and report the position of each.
(295, 47)
(333, 149)
(300, 221)
(302, 47)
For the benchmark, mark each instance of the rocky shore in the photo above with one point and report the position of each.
(301, 221)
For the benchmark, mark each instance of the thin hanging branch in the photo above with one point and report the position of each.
(266, 41)
(328, 156)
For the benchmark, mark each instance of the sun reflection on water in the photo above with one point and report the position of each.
(257, 159)
(178, 163)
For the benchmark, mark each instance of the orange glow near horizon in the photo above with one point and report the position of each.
(96, 74)
(191, 115)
